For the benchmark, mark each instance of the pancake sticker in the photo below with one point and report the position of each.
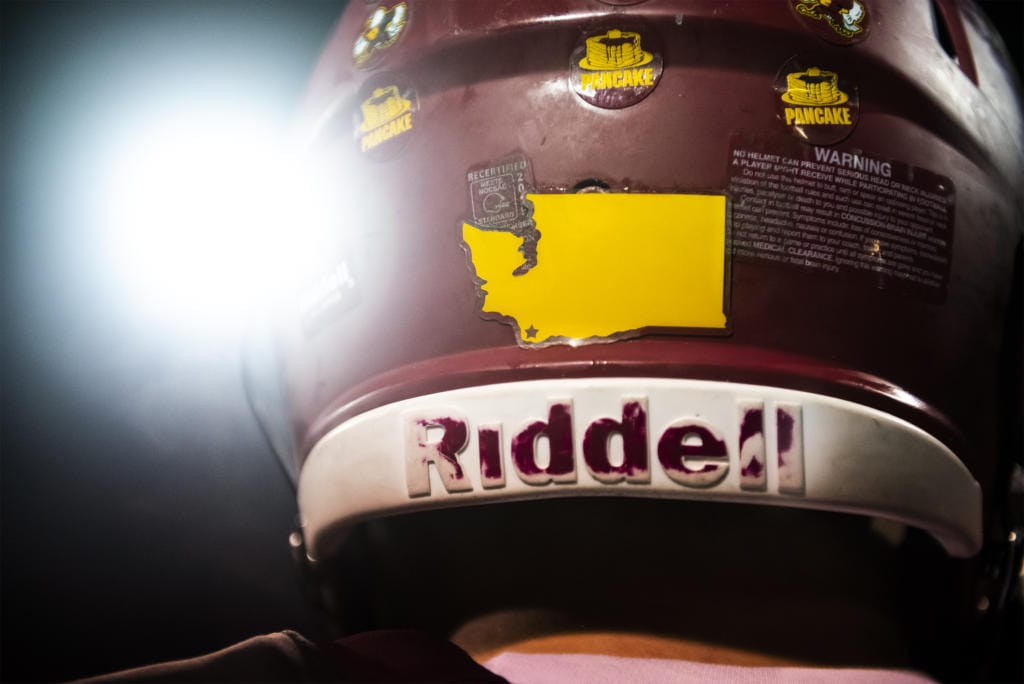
(615, 68)
(607, 266)
(815, 103)
(382, 29)
(837, 21)
(386, 116)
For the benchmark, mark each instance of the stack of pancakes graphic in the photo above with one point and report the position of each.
(615, 50)
(814, 87)
(384, 105)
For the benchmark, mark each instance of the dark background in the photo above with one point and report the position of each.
(143, 515)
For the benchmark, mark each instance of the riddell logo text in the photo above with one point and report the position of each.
(691, 451)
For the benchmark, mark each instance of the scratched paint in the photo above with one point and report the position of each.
(491, 473)
(557, 430)
(753, 462)
(789, 419)
(633, 430)
(674, 450)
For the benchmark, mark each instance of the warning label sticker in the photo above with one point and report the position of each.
(845, 213)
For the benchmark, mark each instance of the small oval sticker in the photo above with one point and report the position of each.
(386, 116)
(815, 102)
(382, 29)
(615, 67)
(841, 22)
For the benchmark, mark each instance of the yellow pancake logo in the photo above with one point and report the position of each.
(817, 93)
(613, 69)
(608, 265)
(386, 114)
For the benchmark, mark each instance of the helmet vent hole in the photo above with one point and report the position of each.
(591, 185)
(942, 32)
(951, 36)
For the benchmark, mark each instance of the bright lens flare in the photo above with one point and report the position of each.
(212, 217)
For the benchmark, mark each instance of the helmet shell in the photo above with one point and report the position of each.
(924, 334)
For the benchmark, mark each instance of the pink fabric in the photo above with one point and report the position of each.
(544, 668)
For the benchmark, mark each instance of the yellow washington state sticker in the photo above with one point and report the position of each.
(608, 265)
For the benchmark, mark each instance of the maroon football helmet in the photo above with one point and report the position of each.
(683, 278)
